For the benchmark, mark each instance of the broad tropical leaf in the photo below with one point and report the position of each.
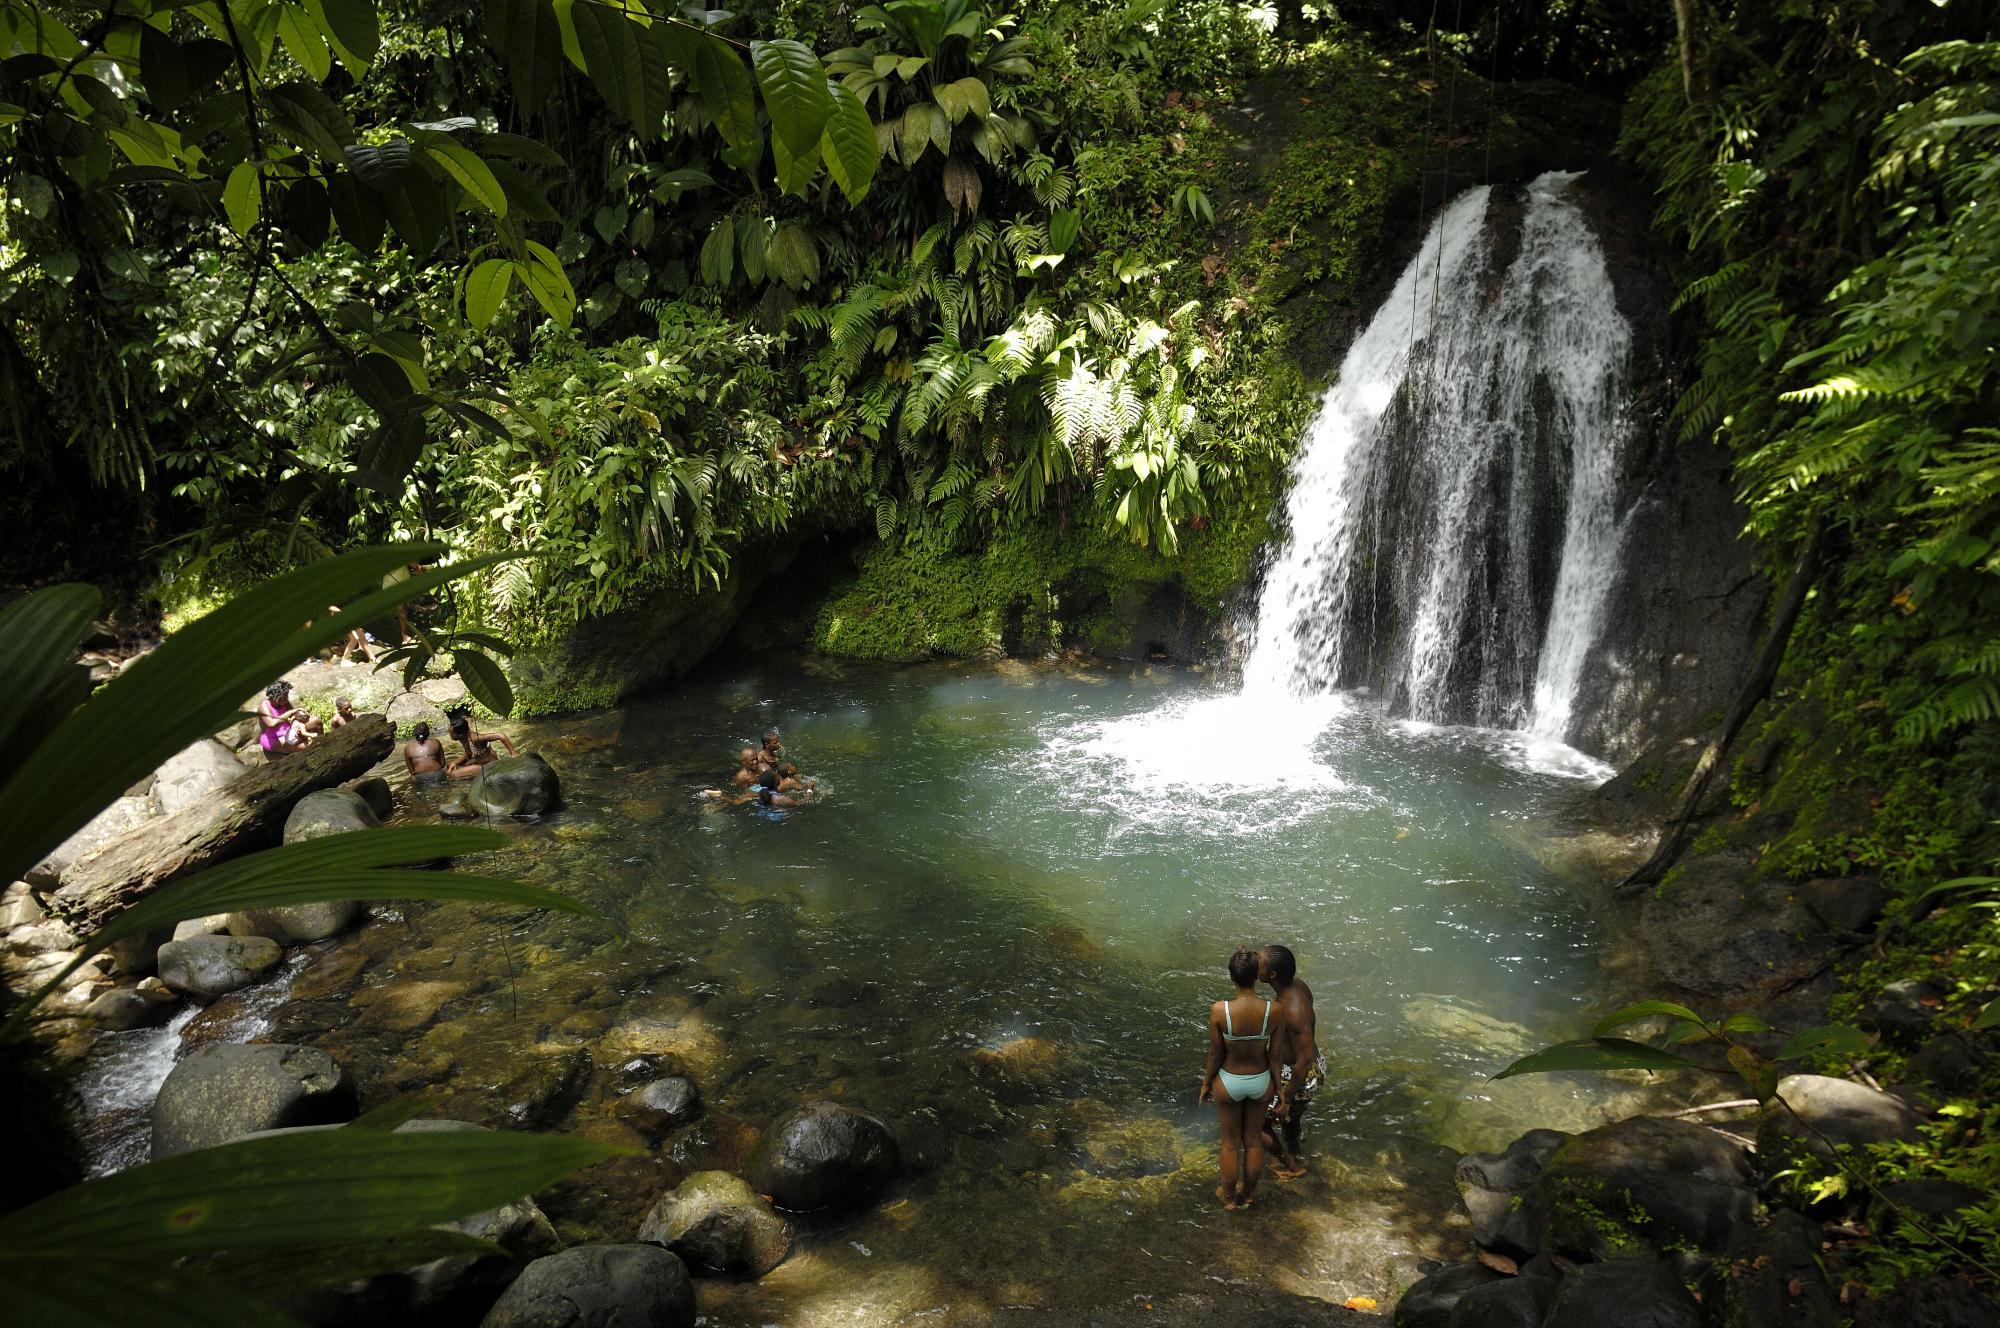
(485, 289)
(529, 41)
(485, 680)
(1840, 1039)
(847, 145)
(794, 86)
(1644, 1010)
(472, 174)
(1601, 1053)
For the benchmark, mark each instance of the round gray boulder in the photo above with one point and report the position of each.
(599, 1286)
(205, 967)
(1624, 1293)
(227, 1089)
(516, 786)
(1839, 1112)
(145, 1006)
(662, 1105)
(1646, 1182)
(298, 924)
(332, 811)
(193, 773)
(824, 1154)
(716, 1222)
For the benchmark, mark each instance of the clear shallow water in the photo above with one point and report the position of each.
(1000, 931)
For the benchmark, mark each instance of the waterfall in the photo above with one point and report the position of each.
(1453, 521)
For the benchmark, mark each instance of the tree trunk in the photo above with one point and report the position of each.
(1755, 688)
(248, 814)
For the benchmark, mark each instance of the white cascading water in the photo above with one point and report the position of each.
(1454, 530)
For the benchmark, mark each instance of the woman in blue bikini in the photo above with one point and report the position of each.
(1242, 1066)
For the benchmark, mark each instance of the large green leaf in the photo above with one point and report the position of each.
(848, 143)
(1988, 1017)
(794, 86)
(1644, 1010)
(485, 288)
(627, 62)
(361, 864)
(1603, 1053)
(276, 1273)
(311, 119)
(1953, 886)
(529, 41)
(75, 1289)
(793, 256)
(472, 174)
(726, 91)
(318, 1187)
(353, 26)
(1840, 1039)
(38, 684)
(192, 685)
(484, 679)
(242, 197)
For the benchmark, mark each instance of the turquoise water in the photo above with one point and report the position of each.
(1000, 930)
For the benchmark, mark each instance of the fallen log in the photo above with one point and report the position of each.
(248, 814)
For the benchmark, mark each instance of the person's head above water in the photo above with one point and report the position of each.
(1244, 966)
(748, 757)
(769, 779)
(343, 703)
(1280, 967)
(771, 742)
(422, 732)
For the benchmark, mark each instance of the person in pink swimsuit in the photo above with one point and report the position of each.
(283, 728)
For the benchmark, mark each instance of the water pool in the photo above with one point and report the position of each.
(1000, 930)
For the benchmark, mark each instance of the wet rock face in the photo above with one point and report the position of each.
(143, 1006)
(1903, 1012)
(1489, 1183)
(1724, 931)
(193, 774)
(516, 786)
(1516, 1302)
(715, 1221)
(205, 967)
(599, 1286)
(222, 1091)
(824, 1155)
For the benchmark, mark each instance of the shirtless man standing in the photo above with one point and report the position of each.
(1302, 1067)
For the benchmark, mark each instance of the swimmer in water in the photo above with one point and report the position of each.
(423, 755)
(747, 772)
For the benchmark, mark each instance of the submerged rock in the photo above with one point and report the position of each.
(825, 1154)
(599, 1286)
(663, 1105)
(714, 1220)
(225, 1090)
(516, 786)
(205, 967)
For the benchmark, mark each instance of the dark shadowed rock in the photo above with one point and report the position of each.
(375, 791)
(1775, 1279)
(823, 1155)
(1846, 903)
(599, 1286)
(1640, 1183)
(715, 1221)
(1727, 932)
(1488, 1182)
(1515, 1302)
(229, 1089)
(1840, 1111)
(1930, 1201)
(1937, 1301)
(1949, 1061)
(516, 786)
(1903, 1012)
(205, 967)
(1625, 1293)
(1429, 1303)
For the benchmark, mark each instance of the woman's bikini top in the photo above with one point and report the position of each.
(1261, 1035)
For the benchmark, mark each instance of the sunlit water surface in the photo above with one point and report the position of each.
(1064, 854)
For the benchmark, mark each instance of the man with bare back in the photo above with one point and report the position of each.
(1302, 1067)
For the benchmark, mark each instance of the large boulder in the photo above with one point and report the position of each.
(1514, 1302)
(193, 773)
(330, 811)
(1775, 1279)
(228, 1089)
(1624, 1293)
(599, 1286)
(298, 924)
(1726, 931)
(205, 967)
(1903, 1012)
(1824, 1111)
(516, 786)
(147, 1005)
(825, 1154)
(1489, 1182)
(716, 1222)
(1641, 1184)
(1430, 1302)
(121, 815)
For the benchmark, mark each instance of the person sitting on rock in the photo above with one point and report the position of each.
(746, 773)
(424, 755)
(343, 713)
(283, 728)
(478, 747)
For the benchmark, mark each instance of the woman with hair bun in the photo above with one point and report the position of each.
(1242, 1066)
